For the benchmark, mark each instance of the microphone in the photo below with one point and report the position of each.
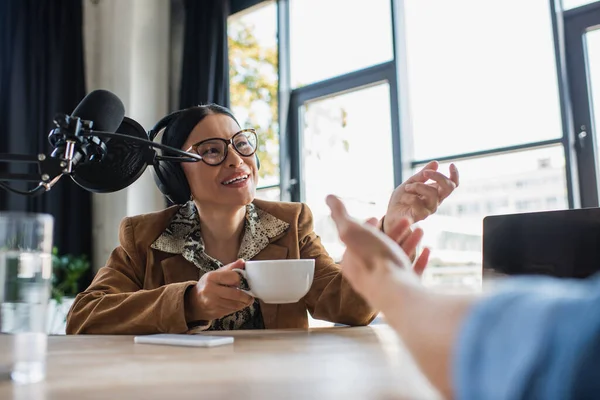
(124, 162)
(101, 110)
(98, 146)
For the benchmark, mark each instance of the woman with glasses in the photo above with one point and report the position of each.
(173, 271)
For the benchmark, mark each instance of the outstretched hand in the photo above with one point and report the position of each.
(379, 270)
(372, 260)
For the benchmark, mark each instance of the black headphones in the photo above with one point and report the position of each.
(168, 175)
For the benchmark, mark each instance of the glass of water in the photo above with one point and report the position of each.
(25, 276)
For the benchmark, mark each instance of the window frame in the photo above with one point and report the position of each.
(580, 122)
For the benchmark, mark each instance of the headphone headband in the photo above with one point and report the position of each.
(163, 123)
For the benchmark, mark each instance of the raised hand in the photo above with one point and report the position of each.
(416, 199)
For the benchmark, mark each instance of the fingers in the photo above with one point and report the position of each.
(233, 297)
(408, 241)
(400, 231)
(421, 262)
(427, 193)
(409, 245)
(239, 264)
(446, 186)
(420, 176)
(454, 177)
(363, 240)
(341, 219)
(224, 278)
(349, 231)
(338, 211)
(412, 240)
(372, 221)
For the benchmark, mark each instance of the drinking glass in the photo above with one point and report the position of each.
(25, 283)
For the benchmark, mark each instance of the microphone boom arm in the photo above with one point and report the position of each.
(184, 155)
(51, 169)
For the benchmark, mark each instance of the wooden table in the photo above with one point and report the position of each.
(320, 363)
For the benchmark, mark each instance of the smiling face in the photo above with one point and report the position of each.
(233, 182)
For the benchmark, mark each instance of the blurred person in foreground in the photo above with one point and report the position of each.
(534, 338)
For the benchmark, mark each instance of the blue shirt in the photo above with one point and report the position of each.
(536, 338)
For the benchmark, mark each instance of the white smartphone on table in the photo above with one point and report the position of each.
(184, 340)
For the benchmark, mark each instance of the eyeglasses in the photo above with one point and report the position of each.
(214, 151)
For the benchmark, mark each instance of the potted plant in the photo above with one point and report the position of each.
(66, 272)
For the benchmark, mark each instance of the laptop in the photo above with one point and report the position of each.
(564, 243)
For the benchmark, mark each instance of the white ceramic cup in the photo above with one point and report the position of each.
(278, 281)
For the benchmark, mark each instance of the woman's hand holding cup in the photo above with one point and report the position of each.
(216, 294)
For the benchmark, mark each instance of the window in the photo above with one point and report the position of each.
(545, 163)
(478, 86)
(497, 205)
(269, 193)
(502, 196)
(347, 151)
(253, 79)
(551, 202)
(480, 82)
(482, 79)
(329, 38)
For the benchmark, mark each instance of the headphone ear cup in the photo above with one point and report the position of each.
(171, 181)
(168, 176)
(160, 180)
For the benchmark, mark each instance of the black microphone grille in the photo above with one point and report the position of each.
(102, 107)
(123, 163)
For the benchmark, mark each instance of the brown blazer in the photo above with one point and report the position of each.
(141, 289)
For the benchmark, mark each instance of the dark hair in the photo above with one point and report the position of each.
(178, 130)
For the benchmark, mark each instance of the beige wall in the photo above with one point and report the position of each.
(127, 52)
